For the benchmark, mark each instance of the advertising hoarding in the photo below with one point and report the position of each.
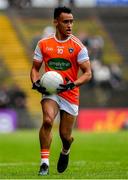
(8, 120)
(112, 3)
(102, 119)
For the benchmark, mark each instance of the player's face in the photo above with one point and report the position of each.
(64, 24)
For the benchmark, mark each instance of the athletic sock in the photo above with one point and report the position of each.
(65, 152)
(45, 156)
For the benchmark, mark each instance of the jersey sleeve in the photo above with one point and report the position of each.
(37, 54)
(82, 55)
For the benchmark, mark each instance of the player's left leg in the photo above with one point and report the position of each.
(65, 129)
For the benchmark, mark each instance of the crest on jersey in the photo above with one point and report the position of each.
(70, 50)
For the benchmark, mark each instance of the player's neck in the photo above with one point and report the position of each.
(61, 37)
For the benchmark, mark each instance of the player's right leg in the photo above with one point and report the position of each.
(50, 110)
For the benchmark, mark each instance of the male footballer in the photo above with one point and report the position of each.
(64, 53)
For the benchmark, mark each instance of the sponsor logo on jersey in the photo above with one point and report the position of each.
(61, 47)
(49, 48)
(59, 64)
(70, 50)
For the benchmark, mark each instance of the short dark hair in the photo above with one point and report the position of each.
(59, 10)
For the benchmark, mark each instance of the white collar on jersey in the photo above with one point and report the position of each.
(62, 40)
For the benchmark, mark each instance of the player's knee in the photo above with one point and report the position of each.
(47, 123)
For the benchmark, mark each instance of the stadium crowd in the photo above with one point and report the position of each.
(28, 3)
(13, 97)
(104, 76)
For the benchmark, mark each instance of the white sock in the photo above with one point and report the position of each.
(66, 152)
(45, 160)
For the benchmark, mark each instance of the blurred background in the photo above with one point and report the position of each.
(102, 25)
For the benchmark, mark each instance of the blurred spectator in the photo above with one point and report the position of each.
(102, 81)
(116, 76)
(12, 97)
(60, 2)
(17, 97)
(11, 3)
(17, 101)
(102, 74)
(96, 47)
(4, 98)
(84, 37)
(94, 44)
(116, 71)
(109, 77)
(19, 3)
(48, 30)
(71, 3)
(35, 39)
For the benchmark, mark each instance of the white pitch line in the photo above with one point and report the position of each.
(18, 163)
(75, 163)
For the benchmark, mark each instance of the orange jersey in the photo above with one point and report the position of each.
(63, 57)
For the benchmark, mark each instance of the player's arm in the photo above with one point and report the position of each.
(85, 77)
(34, 74)
(35, 78)
(37, 62)
(87, 73)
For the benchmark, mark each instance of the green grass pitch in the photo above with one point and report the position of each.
(93, 156)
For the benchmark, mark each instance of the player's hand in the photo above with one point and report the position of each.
(36, 86)
(65, 87)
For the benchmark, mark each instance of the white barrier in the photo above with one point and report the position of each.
(77, 3)
(3, 4)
